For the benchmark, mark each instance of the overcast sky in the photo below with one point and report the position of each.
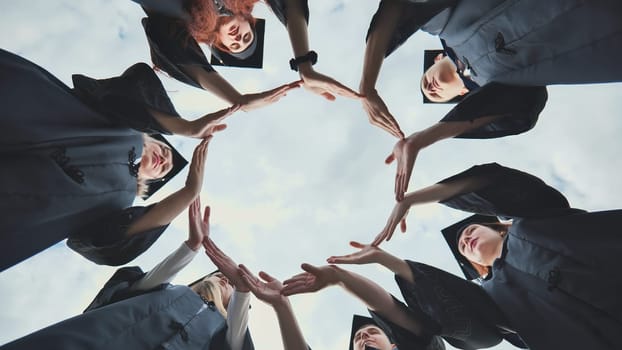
(296, 181)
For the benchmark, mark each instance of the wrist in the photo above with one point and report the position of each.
(281, 304)
(310, 58)
(194, 246)
(305, 69)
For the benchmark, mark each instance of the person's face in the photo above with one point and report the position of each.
(237, 34)
(226, 289)
(480, 244)
(157, 160)
(370, 335)
(441, 82)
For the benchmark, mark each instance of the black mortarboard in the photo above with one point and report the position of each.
(451, 235)
(252, 57)
(428, 61)
(179, 162)
(359, 321)
(202, 278)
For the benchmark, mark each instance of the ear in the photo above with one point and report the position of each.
(438, 57)
(464, 91)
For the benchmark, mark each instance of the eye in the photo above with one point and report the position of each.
(234, 46)
(247, 37)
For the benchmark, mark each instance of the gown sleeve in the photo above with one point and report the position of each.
(468, 318)
(104, 241)
(405, 339)
(507, 193)
(517, 109)
(279, 7)
(126, 99)
(416, 13)
(173, 48)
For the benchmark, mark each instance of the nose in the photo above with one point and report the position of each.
(238, 37)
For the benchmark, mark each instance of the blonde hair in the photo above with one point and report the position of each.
(209, 290)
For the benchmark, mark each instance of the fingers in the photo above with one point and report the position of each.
(390, 158)
(403, 225)
(379, 239)
(343, 90)
(356, 244)
(328, 96)
(206, 214)
(266, 277)
(310, 268)
(219, 127)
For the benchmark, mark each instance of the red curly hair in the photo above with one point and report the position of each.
(205, 22)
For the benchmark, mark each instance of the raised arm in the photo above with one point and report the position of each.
(378, 40)
(371, 294)
(269, 290)
(489, 189)
(169, 208)
(294, 14)
(495, 110)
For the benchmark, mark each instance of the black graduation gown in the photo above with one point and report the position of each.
(67, 154)
(517, 107)
(166, 317)
(173, 48)
(405, 339)
(558, 280)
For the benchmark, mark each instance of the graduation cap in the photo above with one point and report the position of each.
(179, 162)
(202, 278)
(358, 322)
(452, 234)
(252, 57)
(428, 61)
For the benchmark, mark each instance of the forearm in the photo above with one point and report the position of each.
(166, 270)
(397, 266)
(237, 319)
(291, 334)
(445, 130)
(174, 125)
(440, 192)
(298, 34)
(377, 44)
(214, 83)
(163, 212)
(376, 299)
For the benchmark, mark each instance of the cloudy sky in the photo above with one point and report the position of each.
(295, 181)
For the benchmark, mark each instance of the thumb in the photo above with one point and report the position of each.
(219, 127)
(265, 276)
(356, 244)
(310, 268)
(389, 159)
(403, 225)
(328, 96)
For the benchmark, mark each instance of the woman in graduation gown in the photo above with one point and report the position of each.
(137, 310)
(554, 271)
(174, 29)
(413, 325)
(72, 167)
(503, 54)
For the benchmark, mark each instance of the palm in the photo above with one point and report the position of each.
(267, 289)
(398, 216)
(379, 114)
(211, 123)
(225, 264)
(405, 153)
(198, 229)
(261, 99)
(326, 86)
(314, 279)
(367, 254)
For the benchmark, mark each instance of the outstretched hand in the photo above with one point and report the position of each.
(398, 216)
(268, 289)
(225, 264)
(315, 278)
(211, 123)
(379, 114)
(405, 152)
(326, 86)
(367, 254)
(249, 102)
(198, 229)
(194, 181)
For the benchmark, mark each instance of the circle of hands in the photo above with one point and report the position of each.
(314, 278)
